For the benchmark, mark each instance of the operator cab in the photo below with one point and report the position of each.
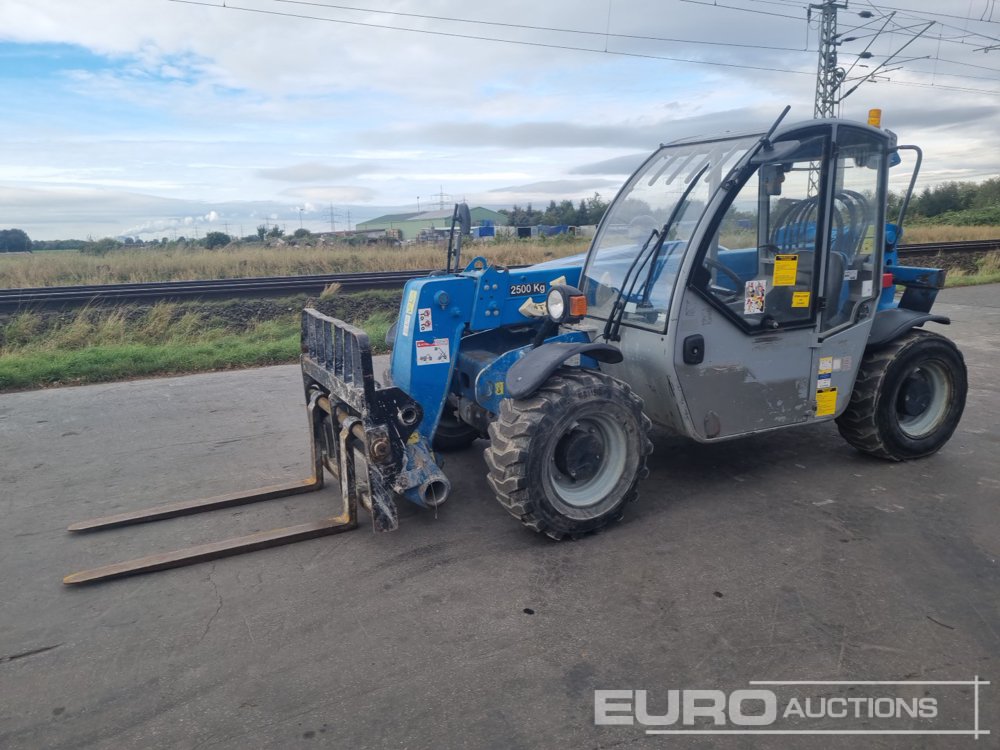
(747, 257)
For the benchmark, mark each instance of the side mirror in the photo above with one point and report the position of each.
(771, 177)
(464, 218)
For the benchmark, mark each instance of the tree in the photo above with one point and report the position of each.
(217, 239)
(523, 217)
(261, 232)
(276, 232)
(14, 241)
(302, 234)
(596, 207)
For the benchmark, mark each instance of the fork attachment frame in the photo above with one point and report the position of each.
(356, 431)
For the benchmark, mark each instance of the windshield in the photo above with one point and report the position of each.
(627, 258)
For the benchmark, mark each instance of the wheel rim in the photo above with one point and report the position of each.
(923, 399)
(594, 449)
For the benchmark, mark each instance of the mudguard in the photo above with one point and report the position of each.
(890, 324)
(529, 373)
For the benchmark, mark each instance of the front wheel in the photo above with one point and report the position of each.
(907, 399)
(566, 460)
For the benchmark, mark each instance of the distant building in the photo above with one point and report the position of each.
(412, 224)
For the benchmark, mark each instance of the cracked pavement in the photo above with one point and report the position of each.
(786, 556)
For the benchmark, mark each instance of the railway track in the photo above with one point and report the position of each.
(944, 248)
(272, 286)
(265, 286)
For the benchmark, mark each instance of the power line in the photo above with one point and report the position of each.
(736, 7)
(548, 45)
(944, 87)
(228, 6)
(943, 15)
(532, 27)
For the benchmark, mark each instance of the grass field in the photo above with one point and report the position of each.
(987, 272)
(138, 265)
(94, 345)
(917, 234)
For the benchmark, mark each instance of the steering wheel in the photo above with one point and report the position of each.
(730, 273)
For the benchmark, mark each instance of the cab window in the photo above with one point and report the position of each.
(760, 265)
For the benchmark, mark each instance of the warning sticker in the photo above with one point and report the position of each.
(869, 242)
(851, 274)
(434, 352)
(785, 269)
(826, 402)
(498, 388)
(411, 305)
(800, 299)
(825, 365)
(824, 381)
(753, 297)
(424, 319)
(866, 288)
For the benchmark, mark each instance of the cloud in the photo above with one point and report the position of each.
(189, 117)
(618, 165)
(558, 187)
(332, 194)
(566, 134)
(315, 172)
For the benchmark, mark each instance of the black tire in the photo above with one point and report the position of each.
(581, 422)
(907, 399)
(452, 434)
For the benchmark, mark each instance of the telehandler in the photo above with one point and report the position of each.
(736, 285)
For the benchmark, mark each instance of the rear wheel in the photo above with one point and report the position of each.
(907, 399)
(566, 460)
(452, 434)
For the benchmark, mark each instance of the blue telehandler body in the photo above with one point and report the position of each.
(735, 285)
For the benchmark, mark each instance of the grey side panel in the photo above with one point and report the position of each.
(892, 323)
(746, 383)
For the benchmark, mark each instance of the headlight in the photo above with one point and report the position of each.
(565, 303)
(556, 304)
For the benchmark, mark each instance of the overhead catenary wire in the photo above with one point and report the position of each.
(434, 32)
(535, 27)
(225, 5)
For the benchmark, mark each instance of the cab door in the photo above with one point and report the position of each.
(747, 332)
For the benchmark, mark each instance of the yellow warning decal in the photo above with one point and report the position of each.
(800, 299)
(869, 242)
(825, 365)
(411, 302)
(498, 388)
(826, 402)
(785, 269)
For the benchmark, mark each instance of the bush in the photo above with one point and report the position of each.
(100, 247)
(217, 239)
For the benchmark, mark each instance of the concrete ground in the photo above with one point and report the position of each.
(788, 556)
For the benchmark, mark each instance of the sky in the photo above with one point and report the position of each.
(161, 118)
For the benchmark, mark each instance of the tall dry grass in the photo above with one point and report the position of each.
(916, 234)
(241, 261)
